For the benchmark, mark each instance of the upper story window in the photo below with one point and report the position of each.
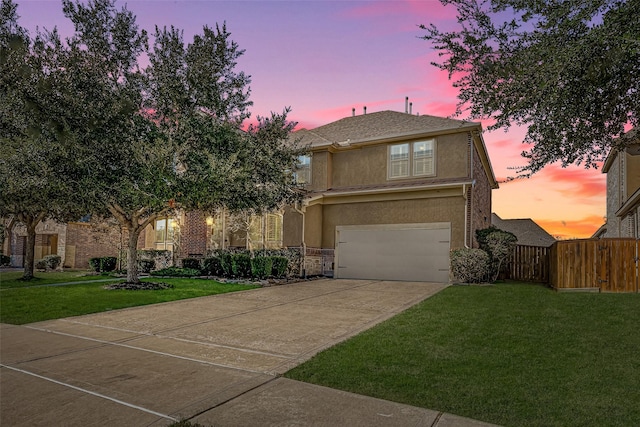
(303, 172)
(412, 159)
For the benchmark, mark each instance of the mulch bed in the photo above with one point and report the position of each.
(140, 286)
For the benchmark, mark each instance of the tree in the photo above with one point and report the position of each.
(36, 160)
(567, 70)
(168, 137)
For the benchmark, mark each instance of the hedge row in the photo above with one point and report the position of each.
(103, 264)
(229, 264)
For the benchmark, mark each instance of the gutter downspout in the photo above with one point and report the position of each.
(466, 208)
(303, 272)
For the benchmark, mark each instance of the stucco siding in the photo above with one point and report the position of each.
(446, 209)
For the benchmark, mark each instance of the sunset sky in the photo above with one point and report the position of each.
(323, 58)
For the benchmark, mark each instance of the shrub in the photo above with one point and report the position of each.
(41, 264)
(226, 262)
(212, 266)
(193, 263)
(241, 265)
(5, 260)
(499, 245)
(108, 263)
(52, 262)
(279, 266)
(95, 264)
(469, 265)
(146, 265)
(176, 272)
(261, 267)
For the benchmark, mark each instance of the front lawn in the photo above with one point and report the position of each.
(11, 279)
(510, 354)
(26, 305)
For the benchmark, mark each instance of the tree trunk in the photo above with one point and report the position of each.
(132, 255)
(30, 252)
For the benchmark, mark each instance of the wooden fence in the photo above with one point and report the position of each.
(529, 264)
(605, 265)
(610, 265)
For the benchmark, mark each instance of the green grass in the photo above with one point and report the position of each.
(510, 354)
(11, 279)
(26, 305)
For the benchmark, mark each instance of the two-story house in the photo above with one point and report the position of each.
(390, 194)
(623, 191)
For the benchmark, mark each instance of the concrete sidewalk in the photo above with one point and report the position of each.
(214, 360)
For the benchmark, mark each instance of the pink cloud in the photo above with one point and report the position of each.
(583, 183)
(430, 10)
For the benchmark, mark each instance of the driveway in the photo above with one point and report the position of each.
(214, 360)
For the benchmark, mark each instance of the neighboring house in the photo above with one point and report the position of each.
(623, 192)
(75, 242)
(389, 195)
(526, 230)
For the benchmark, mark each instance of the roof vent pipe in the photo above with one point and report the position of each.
(365, 110)
(406, 104)
(410, 107)
(353, 112)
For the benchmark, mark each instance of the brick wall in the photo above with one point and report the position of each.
(194, 235)
(480, 205)
(83, 241)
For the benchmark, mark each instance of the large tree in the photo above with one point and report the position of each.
(567, 70)
(36, 160)
(169, 136)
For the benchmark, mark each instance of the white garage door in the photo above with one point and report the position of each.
(410, 252)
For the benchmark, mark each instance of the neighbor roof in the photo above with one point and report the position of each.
(378, 126)
(526, 230)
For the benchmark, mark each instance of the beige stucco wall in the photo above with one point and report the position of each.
(313, 226)
(445, 209)
(367, 165)
(320, 166)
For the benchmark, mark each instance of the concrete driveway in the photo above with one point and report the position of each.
(214, 360)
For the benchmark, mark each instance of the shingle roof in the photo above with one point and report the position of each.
(377, 126)
(526, 230)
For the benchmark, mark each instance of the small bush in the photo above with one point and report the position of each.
(241, 265)
(52, 261)
(469, 265)
(5, 260)
(212, 266)
(261, 267)
(146, 265)
(226, 262)
(193, 263)
(108, 263)
(95, 264)
(279, 266)
(41, 264)
(176, 272)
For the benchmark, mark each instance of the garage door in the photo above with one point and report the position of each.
(410, 252)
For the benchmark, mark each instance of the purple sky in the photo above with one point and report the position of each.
(323, 58)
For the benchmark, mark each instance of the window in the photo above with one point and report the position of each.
(303, 172)
(165, 230)
(412, 159)
(265, 232)
(399, 161)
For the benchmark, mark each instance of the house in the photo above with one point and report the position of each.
(623, 191)
(389, 195)
(75, 242)
(526, 230)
